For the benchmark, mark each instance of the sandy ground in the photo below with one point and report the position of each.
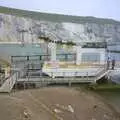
(56, 103)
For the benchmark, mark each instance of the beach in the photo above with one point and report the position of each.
(54, 103)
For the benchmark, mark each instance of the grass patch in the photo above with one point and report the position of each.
(104, 87)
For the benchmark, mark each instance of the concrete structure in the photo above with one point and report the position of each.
(83, 55)
(90, 55)
(89, 62)
(52, 47)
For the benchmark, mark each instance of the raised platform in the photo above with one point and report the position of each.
(72, 70)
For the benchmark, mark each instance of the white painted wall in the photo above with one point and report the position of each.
(78, 55)
(72, 72)
(102, 56)
(52, 47)
(80, 51)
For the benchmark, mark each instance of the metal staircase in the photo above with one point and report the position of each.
(9, 83)
(59, 80)
(101, 74)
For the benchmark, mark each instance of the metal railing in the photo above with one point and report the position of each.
(9, 82)
(61, 75)
(2, 79)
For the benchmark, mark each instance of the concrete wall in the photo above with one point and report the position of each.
(80, 51)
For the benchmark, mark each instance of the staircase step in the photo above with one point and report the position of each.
(9, 83)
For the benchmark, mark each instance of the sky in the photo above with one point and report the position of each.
(96, 8)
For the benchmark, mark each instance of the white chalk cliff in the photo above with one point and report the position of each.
(17, 24)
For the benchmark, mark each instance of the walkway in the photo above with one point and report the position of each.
(42, 80)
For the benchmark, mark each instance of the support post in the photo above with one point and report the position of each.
(40, 57)
(52, 47)
(70, 83)
(78, 55)
(102, 57)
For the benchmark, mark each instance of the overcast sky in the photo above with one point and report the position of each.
(97, 8)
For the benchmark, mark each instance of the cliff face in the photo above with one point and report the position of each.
(22, 29)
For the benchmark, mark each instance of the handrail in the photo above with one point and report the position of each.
(64, 74)
(2, 78)
(9, 82)
(101, 74)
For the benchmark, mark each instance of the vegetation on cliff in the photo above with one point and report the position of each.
(56, 17)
